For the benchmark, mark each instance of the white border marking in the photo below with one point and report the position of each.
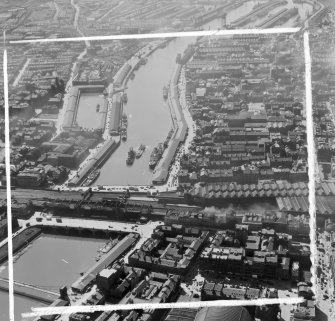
(311, 158)
(175, 305)
(166, 35)
(8, 187)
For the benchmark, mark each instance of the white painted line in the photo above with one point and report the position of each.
(8, 187)
(311, 158)
(166, 35)
(144, 306)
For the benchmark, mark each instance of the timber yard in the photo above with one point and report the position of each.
(167, 170)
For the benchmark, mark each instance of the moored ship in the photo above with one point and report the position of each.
(131, 156)
(140, 151)
(92, 177)
(98, 108)
(156, 155)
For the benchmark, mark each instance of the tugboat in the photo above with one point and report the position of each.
(131, 156)
(165, 92)
(140, 151)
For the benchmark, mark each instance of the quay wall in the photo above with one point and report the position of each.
(20, 241)
(95, 162)
(120, 248)
(162, 172)
(121, 75)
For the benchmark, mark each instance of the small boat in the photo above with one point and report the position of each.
(140, 151)
(98, 108)
(132, 75)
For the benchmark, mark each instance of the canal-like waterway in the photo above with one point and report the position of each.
(49, 262)
(149, 119)
(88, 115)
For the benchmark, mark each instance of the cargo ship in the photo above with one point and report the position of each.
(131, 156)
(92, 177)
(106, 248)
(165, 92)
(156, 155)
(140, 151)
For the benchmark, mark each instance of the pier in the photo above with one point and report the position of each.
(29, 291)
